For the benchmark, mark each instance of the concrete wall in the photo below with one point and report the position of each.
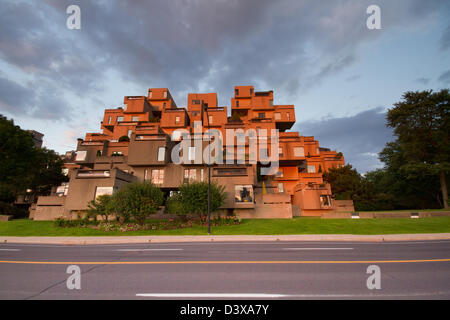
(49, 208)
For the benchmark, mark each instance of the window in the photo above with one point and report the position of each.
(145, 174)
(261, 115)
(176, 135)
(279, 174)
(237, 103)
(81, 156)
(119, 119)
(165, 94)
(191, 155)
(135, 118)
(299, 152)
(288, 116)
(177, 119)
(236, 92)
(109, 120)
(311, 169)
(195, 101)
(65, 171)
(325, 201)
(280, 152)
(277, 116)
(190, 175)
(150, 94)
(129, 133)
(201, 175)
(161, 153)
(258, 131)
(251, 91)
(243, 194)
(280, 188)
(158, 176)
(210, 119)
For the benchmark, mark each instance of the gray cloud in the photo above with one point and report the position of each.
(423, 80)
(41, 102)
(353, 78)
(445, 77)
(445, 39)
(360, 137)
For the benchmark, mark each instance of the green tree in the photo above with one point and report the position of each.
(421, 123)
(24, 166)
(138, 201)
(194, 197)
(103, 206)
(17, 156)
(345, 182)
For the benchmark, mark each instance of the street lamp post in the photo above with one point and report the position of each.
(209, 177)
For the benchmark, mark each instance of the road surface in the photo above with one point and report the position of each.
(251, 270)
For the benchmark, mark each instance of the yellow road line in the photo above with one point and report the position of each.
(221, 262)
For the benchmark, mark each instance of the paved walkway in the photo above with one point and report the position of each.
(235, 238)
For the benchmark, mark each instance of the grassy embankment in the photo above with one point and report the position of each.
(25, 227)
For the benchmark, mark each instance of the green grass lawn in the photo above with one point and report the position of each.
(25, 227)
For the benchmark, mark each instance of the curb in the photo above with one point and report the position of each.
(237, 238)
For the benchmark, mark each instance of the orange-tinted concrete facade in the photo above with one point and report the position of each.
(138, 139)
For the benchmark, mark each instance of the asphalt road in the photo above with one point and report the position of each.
(258, 270)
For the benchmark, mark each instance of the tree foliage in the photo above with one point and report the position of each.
(194, 198)
(103, 206)
(421, 123)
(138, 201)
(24, 166)
(415, 162)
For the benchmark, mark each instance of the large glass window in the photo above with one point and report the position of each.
(103, 190)
(299, 152)
(325, 201)
(311, 169)
(158, 176)
(81, 156)
(191, 155)
(280, 188)
(135, 118)
(190, 175)
(243, 194)
(119, 119)
(161, 153)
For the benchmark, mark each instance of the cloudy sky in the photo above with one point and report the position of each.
(318, 55)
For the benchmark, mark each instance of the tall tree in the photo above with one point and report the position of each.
(23, 166)
(421, 124)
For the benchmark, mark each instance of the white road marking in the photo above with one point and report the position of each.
(9, 249)
(212, 295)
(148, 249)
(278, 295)
(317, 249)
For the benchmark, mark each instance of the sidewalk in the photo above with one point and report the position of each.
(235, 238)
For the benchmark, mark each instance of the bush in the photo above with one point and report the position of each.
(137, 201)
(194, 197)
(174, 205)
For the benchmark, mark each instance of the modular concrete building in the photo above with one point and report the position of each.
(138, 141)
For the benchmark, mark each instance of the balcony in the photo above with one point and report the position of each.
(93, 174)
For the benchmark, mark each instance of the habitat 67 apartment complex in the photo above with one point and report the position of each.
(138, 139)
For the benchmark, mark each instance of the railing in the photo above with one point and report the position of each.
(93, 174)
